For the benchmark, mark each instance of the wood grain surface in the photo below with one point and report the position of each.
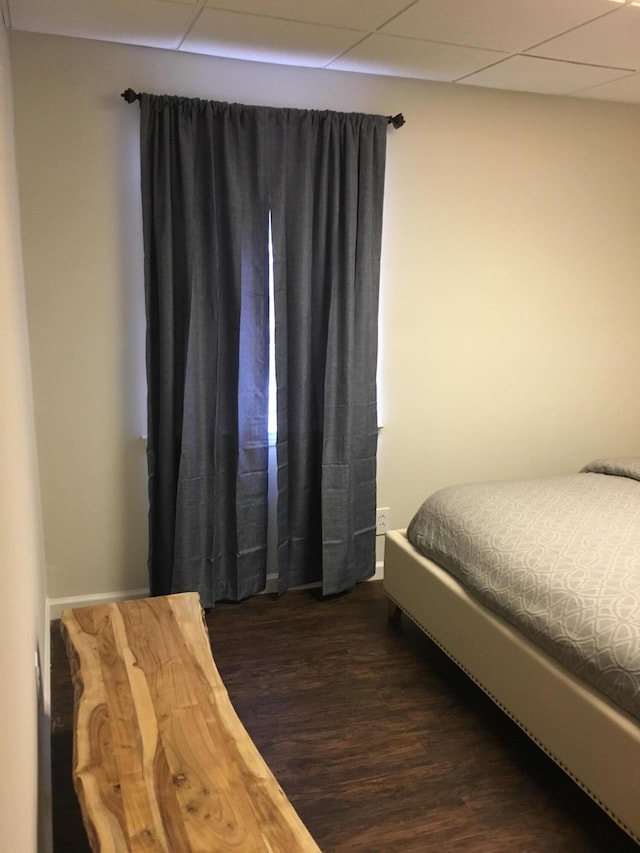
(161, 760)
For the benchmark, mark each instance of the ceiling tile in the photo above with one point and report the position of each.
(403, 57)
(255, 38)
(546, 76)
(145, 22)
(612, 40)
(355, 14)
(625, 90)
(510, 25)
(585, 48)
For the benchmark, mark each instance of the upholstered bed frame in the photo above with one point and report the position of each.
(593, 740)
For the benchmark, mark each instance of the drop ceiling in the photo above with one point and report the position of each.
(581, 48)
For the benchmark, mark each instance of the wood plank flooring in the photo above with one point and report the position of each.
(380, 742)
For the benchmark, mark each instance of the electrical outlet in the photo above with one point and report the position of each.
(382, 517)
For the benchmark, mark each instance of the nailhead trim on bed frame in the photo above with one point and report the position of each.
(524, 728)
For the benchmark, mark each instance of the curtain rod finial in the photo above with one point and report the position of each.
(130, 96)
(397, 120)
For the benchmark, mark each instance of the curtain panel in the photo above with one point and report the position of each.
(212, 175)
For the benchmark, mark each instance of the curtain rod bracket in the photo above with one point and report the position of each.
(397, 120)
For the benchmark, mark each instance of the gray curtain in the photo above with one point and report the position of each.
(211, 174)
(327, 224)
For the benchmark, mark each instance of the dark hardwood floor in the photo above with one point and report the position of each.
(379, 741)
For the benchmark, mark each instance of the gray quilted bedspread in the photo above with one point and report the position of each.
(558, 557)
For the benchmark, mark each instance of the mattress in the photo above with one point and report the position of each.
(558, 557)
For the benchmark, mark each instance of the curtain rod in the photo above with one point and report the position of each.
(130, 96)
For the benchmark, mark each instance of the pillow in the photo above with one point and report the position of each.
(621, 466)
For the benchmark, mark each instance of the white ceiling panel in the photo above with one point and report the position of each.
(145, 22)
(625, 90)
(612, 40)
(255, 38)
(510, 25)
(403, 57)
(546, 76)
(355, 14)
(510, 44)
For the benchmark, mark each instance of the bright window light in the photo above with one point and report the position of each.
(273, 416)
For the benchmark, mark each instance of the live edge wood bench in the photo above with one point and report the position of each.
(161, 761)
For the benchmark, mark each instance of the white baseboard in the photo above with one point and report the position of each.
(272, 581)
(272, 586)
(45, 667)
(55, 606)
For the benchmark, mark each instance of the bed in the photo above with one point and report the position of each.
(533, 588)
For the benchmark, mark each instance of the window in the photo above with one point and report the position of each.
(273, 389)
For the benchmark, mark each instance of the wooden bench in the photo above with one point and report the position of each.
(161, 761)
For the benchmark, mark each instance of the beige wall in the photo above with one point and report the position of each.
(510, 296)
(22, 610)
